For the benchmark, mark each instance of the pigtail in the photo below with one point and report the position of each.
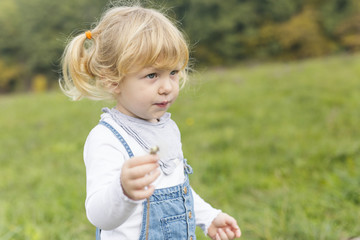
(78, 79)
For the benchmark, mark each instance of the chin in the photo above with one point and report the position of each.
(158, 115)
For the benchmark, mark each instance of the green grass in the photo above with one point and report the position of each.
(276, 145)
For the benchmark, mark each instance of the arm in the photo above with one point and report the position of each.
(213, 222)
(204, 212)
(115, 186)
(106, 205)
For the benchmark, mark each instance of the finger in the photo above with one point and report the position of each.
(238, 233)
(142, 194)
(230, 234)
(230, 221)
(217, 237)
(137, 161)
(222, 234)
(141, 171)
(145, 181)
(235, 228)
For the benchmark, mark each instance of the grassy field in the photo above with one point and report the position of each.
(277, 146)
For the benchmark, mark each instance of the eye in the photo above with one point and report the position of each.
(151, 75)
(174, 72)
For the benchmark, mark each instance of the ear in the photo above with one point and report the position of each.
(116, 88)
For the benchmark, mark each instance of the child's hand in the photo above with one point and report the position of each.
(137, 174)
(224, 227)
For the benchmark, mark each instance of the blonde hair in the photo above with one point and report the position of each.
(125, 39)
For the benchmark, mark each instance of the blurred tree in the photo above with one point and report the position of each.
(279, 10)
(333, 12)
(39, 83)
(9, 73)
(224, 31)
(349, 33)
(9, 21)
(9, 42)
(347, 30)
(263, 41)
(35, 37)
(302, 36)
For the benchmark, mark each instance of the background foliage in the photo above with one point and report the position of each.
(34, 32)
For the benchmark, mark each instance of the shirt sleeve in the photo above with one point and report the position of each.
(204, 212)
(106, 205)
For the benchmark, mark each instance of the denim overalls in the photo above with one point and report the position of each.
(171, 214)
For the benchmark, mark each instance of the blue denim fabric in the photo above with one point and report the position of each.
(172, 213)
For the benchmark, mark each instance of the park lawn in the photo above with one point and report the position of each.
(275, 145)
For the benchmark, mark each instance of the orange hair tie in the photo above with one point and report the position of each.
(88, 35)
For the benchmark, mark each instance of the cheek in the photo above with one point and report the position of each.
(176, 91)
(177, 87)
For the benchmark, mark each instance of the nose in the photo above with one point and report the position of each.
(166, 86)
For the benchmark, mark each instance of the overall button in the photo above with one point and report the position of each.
(191, 238)
(190, 215)
(185, 190)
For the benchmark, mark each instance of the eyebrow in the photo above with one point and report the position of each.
(147, 70)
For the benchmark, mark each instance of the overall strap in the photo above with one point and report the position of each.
(127, 148)
(121, 139)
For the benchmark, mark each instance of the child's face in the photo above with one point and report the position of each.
(148, 93)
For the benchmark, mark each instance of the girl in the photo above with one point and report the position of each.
(137, 57)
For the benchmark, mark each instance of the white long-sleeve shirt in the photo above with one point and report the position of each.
(106, 205)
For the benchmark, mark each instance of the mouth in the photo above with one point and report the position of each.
(163, 104)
